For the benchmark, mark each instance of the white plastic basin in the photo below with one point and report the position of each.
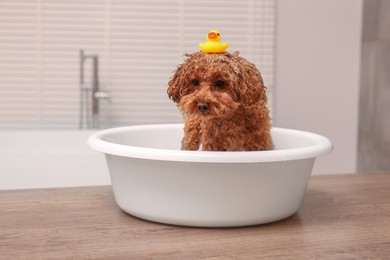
(153, 179)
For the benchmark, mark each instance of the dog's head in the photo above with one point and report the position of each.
(215, 84)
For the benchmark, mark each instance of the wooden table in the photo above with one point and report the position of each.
(342, 217)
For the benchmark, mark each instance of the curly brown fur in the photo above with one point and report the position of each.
(223, 101)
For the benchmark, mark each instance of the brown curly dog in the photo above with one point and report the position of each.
(223, 101)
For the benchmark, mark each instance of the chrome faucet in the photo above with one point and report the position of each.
(90, 94)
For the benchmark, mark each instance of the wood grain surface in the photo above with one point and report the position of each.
(342, 217)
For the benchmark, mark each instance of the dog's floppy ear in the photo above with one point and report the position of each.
(250, 82)
(177, 83)
(174, 85)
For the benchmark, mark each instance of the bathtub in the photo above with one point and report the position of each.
(45, 159)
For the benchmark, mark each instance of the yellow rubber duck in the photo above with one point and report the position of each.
(213, 45)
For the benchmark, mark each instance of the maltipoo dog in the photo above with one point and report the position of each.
(223, 101)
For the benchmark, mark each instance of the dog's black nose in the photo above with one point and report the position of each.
(203, 107)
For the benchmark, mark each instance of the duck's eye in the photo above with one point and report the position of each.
(220, 84)
(218, 34)
(195, 82)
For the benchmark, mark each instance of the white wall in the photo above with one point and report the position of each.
(317, 74)
(46, 159)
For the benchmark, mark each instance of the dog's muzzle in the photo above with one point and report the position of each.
(202, 107)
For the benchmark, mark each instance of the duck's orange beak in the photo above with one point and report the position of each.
(212, 35)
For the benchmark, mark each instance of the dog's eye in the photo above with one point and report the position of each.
(195, 82)
(220, 84)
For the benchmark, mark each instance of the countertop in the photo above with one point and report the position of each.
(344, 216)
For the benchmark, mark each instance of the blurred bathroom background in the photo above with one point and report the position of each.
(138, 45)
(325, 62)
